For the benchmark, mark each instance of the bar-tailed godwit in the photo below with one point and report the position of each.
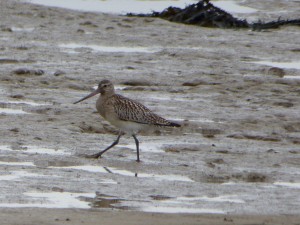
(126, 114)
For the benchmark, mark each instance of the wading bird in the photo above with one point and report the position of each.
(126, 114)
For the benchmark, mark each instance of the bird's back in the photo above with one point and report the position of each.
(129, 110)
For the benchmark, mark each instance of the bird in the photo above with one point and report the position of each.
(128, 115)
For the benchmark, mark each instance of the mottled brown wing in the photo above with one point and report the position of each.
(130, 110)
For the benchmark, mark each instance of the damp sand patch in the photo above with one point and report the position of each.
(112, 170)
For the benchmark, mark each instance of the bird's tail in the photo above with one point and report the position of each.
(172, 124)
(168, 124)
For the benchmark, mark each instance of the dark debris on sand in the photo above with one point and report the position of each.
(205, 14)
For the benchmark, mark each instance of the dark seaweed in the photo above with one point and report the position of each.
(205, 14)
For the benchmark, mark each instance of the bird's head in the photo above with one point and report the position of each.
(105, 87)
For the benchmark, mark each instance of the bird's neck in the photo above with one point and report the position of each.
(107, 95)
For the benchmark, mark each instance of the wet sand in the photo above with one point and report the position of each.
(68, 216)
(234, 161)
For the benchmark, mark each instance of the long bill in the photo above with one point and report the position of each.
(88, 96)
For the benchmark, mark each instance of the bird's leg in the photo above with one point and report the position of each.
(137, 148)
(97, 155)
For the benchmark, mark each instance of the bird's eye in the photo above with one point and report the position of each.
(105, 85)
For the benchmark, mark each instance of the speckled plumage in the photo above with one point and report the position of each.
(129, 110)
(114, 107)
(128, 115)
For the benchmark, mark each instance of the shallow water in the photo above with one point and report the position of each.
(16, 163)
(170, 209)
(113, 6)
(74, 47)
(9, 111)
(53, 200)
(31, 103)
(135, 6)
(225, 198)
(42, 150)
(36, 150)
(17, 175)
(288, 184)
(189, 204)
(204, 120)
(12, 107)
(112, 170)
(5, 148)
(147, 147)
(233, 7)
(159, 177)
(292, 77)
(165, 204)
(285, 65)
(22, 29)
(88, 168)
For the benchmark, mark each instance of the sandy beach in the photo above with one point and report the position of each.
(235, 160)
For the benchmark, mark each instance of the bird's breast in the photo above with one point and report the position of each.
(100, 106)
(106, 109)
